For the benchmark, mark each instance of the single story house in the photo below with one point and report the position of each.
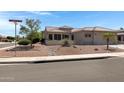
(120, 35)
(55, 35)
(79, 36)
(93, 35)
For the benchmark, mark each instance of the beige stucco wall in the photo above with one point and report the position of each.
(53, 42)
(79, 38)
(100, 39)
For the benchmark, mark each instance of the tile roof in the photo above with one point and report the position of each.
(97, 28)
(57, 29)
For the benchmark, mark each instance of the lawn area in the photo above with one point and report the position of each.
(43, 50)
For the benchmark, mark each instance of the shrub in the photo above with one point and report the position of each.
(35, 40)
(67, 43)
(10, 38)
(42, 41)
(24, 42)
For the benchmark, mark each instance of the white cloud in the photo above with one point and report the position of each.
(40, 13)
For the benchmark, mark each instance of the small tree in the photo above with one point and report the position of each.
(30, 29)
(109, 36)
(34, 37)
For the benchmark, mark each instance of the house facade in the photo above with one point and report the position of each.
(120, 35)
(79, 36)
(93, 36)
(55, 35)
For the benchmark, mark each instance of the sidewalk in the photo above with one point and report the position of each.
(4, 48)
(4, 45)
(59, 58)
(120, 46)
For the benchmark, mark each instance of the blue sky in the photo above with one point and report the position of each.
(76, 19)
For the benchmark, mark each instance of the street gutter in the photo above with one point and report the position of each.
(46, 59)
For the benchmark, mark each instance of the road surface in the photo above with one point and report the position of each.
(111, 69)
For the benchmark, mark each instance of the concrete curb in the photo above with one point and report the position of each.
(76, 59)
(46, 59)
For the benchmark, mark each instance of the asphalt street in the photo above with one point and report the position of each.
(98, 70)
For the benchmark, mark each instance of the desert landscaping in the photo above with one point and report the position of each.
(57, 41)
(55, 50)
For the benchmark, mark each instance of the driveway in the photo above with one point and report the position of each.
(120, 46)
(5, 44)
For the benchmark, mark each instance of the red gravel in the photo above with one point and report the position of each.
(43, 50)
(38, 50)
(82, 49)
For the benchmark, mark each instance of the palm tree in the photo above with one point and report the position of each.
(109, 36)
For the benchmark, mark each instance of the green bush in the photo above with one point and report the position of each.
(67, 43)
(24, 42)
(10, 38)
(6, 40)
(35, 40)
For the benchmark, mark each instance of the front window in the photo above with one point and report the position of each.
(57, 36)
(50, 37)
(119, 38)
(87, 35)
(65, 36)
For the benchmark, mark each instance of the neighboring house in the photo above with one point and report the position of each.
(120, 35)
(3, 39)
(79, 36)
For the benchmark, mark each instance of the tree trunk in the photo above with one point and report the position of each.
(107, 43)
(31, 43)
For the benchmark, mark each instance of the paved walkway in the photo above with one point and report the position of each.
(5, 45)
(52, 52)
(59, 58)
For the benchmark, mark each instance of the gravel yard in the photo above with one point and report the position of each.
(25, 51)
(82, 49)
(43, 50)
